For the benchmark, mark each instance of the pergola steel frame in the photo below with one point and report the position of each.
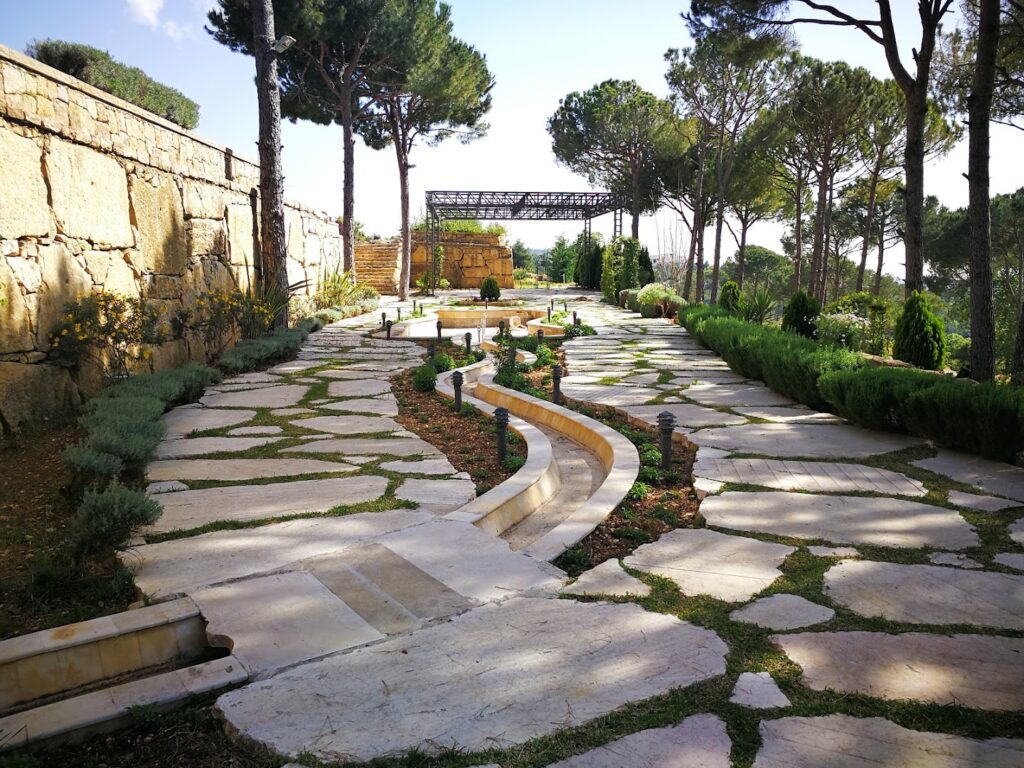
(445, 205)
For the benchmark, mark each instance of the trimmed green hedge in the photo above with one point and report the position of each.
(987, 419)
(98, 69)
(282, 344)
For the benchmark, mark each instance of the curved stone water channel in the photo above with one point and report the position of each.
(447, 634)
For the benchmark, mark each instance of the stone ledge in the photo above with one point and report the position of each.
(536, 482)
(617, 455)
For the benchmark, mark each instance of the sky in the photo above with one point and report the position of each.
(537, 50)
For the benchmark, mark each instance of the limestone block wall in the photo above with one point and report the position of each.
(469, 257)
(378, 262)
(99, 194)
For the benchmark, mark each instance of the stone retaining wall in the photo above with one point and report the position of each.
(469, 257)
(98, 194)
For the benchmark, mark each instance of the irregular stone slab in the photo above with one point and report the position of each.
(842, 741)
(608, 578)
(276, 621)
(169, 486)
(192, 509)
(819, 476)
(290, 411)
(976, 671)
(610, 395)
(798, 415)
(381, 406)
(201, 446)
(928, 594)
(699, 741)
(758, 690)
(361, 445)
(350, 425)
(192, 418)
(841, 519)
(342, 373)
(1017, 531)
(841, 552)
(954, 559)
(992, 476)
(230, 470)
(256, 377)
(687, 415)
(182, 565)
(783, 612)
(437, 496)
(425, 467)
(981, 503)
(704, 562)
(811, 440)
(734, 394)
(282, 396)
(540, 665)
(295, 366)
(264, 430)
(358, 388)
(1013, 560)
(470, 561)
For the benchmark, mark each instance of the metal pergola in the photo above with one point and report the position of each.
(520, 206)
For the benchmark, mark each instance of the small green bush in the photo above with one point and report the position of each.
(758, 305)
(638, 491)
(650, 456)
(514, 463)
(874, 397)
(489, 289)
(424, 378)
(90, 468)
(282, 344)
(731, 297)
(658, 300)
(571, 331)
(845, 330)
(800, 315)
(106, 520)
(649, 475)
(442, 362)
(958, 351)
(99, 69)
(920, 338)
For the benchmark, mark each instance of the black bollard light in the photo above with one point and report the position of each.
(565, 306)
(439, 325)
(552, 305)
(501, 422)
(399, 314)
(576, 321)
(388, 325)
(549, 314)
(556, 385)
(540, 335)
(574, 318)
(383, 318)
(487, 304)
(469, 342)
(666, 425)
(414, 306)
(457, 384)
(501, 329)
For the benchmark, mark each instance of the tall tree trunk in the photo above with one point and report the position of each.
(979, 110)
(868, 224)
(741, 255)
(917, 111)
(827, 244)
(798, 255)
(402, 155)
(817, 249)
(699, 289)
(273, 256)
(348, 204)
(692, 255)
(877, 288)
(719, 223)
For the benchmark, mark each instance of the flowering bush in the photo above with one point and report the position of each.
(842, 329)
(115, 329)
(219, 318)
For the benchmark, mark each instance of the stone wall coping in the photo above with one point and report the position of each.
(44, 70)
(105, 709)
(94, 630)
(617, 454)
(533, 484)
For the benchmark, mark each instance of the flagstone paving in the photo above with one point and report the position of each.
(370, 633)
(841, 519)
(842, 741)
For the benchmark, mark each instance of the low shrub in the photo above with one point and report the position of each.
(442, 362)
(106, 520)
(845, 330)
(172, 387)
(800, 315)
(920, 338)
(571, 331)
(90, 468)
(958, 351)
(632, 299)
(489, 289)
(659, 300)
(758, 305)
(424, 378)
(282, 344)
(874, 397)
(731, 297)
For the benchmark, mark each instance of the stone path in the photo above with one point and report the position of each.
(782, 481)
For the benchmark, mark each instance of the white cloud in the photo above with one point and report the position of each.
(146, 11)
(177, 31)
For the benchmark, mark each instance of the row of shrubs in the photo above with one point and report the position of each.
(987, 419)
(123, 428)
(653, 300)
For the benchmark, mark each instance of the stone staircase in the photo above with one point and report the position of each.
(377, 264)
